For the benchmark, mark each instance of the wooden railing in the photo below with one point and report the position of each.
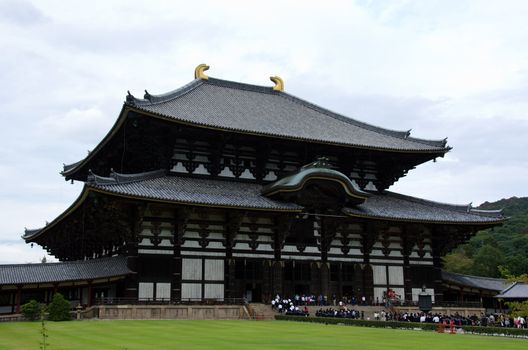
(184, 301)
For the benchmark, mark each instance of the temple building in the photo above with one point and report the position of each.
(222, 190)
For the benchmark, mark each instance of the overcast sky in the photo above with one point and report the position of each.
(456, 69)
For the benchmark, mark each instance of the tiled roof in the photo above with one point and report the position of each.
(398, 206)
(62, 272)
(478, 282)
(201, 191)
(260, 110)
(518, 290)
(158, 186)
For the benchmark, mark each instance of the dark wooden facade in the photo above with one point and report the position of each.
(205, 243)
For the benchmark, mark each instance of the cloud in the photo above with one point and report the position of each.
(20, 13)
(18, 252)
(441, 68)
(77, 124)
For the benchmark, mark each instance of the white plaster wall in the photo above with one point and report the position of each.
(396, 275)
(191, 269)
(214, 270)
(380, 274)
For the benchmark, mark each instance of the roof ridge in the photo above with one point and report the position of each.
(150, 99)
(73, 262)
(512, 284)
(465, 208)
(119, 178)
(474, 276)
(458, 207)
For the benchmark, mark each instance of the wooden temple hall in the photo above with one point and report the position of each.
(221, 190)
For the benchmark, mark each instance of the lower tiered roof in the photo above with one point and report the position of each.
(158, 186)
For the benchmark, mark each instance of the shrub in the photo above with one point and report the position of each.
(59, 309)
(31, 310)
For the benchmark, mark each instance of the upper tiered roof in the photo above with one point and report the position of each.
(260, 110)
(264, 111)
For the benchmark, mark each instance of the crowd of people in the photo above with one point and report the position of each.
(321, 300)
(291, 306)
(298, 306)
(340, 313)
(491, 320)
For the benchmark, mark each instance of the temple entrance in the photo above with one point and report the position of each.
(253, 293)
(302, 289)
(348, 291)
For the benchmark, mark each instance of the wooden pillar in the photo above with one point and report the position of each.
(131, 281)
(229, 278)
(176, 273)
(368, 283)
(278, 287)
(18, 299)
(266, 281)
(340, 280)
(407, 278)
(90, 294)
(325, 280)
(315, 278)
(283, 227)
(368, 239)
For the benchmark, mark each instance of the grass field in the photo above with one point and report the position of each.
(251, 335)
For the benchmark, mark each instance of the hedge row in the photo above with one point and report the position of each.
(405, 325)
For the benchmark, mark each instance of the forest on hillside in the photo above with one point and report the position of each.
(499, 251)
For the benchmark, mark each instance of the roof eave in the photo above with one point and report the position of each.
(432, 151)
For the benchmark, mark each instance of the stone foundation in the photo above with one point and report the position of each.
(171, 312)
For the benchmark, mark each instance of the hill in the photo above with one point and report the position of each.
(505, 246)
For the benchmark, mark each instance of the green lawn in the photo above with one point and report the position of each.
(247, 335)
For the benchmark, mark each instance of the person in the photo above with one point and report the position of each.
(363, 300)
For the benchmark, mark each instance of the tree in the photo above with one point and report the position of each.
(31, 310)
(487, 260)
(458, 262)
(59, 309)
(518, 308)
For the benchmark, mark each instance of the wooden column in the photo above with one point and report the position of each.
(233, 221)
(278, 287)
(90, 294)
(328, 229)
(369, 236)
(131, 251)
(283, 226)
(325, 279)
(180, 223)
(315, 278)
(407, 246)
(340, 280)
(230, 279)
(18, 299)
(266, 280)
